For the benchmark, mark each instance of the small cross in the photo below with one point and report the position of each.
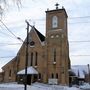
(56, 5)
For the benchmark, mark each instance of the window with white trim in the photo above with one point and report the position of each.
(54, 22)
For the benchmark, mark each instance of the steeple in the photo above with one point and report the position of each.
(57, 44)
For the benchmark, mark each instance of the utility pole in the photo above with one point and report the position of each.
(26, 62)
(88, 74)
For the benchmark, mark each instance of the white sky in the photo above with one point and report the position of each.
(34, 10)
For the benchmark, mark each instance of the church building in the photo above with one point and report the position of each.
(48, 56)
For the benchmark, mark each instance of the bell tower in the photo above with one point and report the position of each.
(57, 45)
(56, 20)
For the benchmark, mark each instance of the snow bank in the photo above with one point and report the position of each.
(40, 86)
(72, 88)
(86, 86)
(11, 86)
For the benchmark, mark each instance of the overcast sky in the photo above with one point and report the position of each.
(33, 10)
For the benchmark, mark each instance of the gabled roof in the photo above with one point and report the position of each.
(41, 36)
(11, 61)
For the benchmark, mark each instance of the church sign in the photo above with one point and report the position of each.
(53, 81)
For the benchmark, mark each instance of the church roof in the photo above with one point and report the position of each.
(41, 36)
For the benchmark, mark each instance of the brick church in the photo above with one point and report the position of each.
(48, 56)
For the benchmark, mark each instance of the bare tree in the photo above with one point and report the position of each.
(5, 4)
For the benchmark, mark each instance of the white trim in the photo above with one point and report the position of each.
(35, 66)
(54, 30)
(32, 46)
(54, 62)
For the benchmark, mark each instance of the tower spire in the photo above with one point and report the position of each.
(56, 5)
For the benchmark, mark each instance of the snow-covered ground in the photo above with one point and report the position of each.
(35, 86)
(86, 86)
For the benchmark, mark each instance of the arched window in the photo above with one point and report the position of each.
(53, 54)
(52, 75)
(57, 75)
(39, 77)
(36, 58)
(31, 58)
(54, 22)
(10, 73)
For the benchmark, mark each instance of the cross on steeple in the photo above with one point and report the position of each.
(56, 5)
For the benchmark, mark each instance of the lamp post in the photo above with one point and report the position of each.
(88, 74)
(26, 62)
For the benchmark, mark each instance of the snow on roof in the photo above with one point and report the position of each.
(30, 70)
(80, 70)
(0, 70)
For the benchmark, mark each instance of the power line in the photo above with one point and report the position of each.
(79, 22)
(45, 55)
(79, 17)
(4, 32)
(84, 41)
(10, 44)
(7, 56)
(80, 55)
(10, 31)
(44, 19)
(87, 41)
(83, 17)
